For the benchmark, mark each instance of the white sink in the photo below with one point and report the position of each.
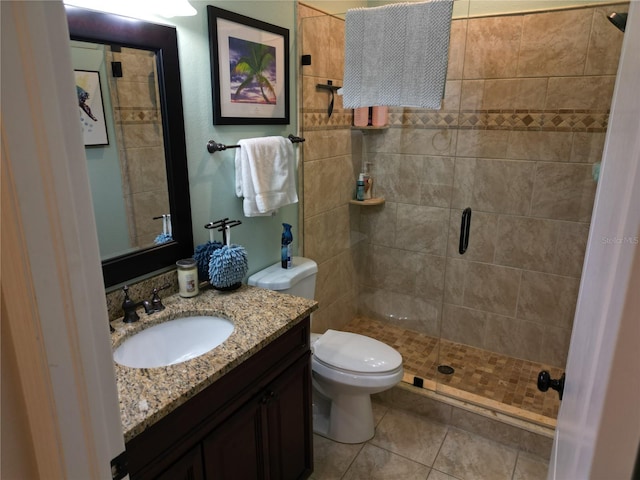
(173, 342)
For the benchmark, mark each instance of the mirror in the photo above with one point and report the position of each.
(139, 167)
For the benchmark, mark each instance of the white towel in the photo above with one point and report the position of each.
(265, 175)
(397, 55)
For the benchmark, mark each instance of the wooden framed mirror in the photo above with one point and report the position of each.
(114, 33)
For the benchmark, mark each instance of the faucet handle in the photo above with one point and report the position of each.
(156, 302)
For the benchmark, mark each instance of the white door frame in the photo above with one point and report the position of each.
(598, 429)
(52, 287)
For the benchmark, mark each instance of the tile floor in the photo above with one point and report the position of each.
(504, 379)
(407, 446)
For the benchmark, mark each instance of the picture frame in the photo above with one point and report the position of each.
(91, 107)
(249, 70)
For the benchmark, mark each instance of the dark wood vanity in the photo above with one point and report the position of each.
(255, 422)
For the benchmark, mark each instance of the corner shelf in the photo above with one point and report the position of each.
(370, 127)
(369, 202)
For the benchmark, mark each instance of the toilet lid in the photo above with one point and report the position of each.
(357, 353)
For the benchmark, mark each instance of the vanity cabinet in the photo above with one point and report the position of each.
(255, 422)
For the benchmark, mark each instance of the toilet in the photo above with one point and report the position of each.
(346, 367)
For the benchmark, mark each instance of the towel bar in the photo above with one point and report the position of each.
(213, 146)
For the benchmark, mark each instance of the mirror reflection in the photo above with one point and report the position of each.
(128, 175)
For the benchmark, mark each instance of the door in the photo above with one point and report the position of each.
(598, 428)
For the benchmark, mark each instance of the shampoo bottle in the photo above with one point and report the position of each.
(368, 182)
(285, 250)
(360, 187)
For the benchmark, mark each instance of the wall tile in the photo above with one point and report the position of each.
(587, 147)
(503, 186)
(491, 288)
(482, 143)
(572, 245)
(605, 43)
(378, 224)
(393, 269)
(555, 348)
(422, 229)
(463, 181)
(315, 34)
(336, 48)
(561, 49)
(320, 245)
(430, 277)
(326, 143)
(546, 146)
(563, 191)
(463, 325)
(590, 93)
(457, 39)
(455, 275)
(397, 178)
(335, 278)
(527, 243)
(513, 337)
(500, 94)
(427, 141)
(493, 53)
(437, 179)
(548, 299)
(472, 95)
(452, 91)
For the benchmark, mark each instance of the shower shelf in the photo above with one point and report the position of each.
(369, 202)
(370, 127)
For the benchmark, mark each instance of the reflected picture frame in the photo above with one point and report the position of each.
(249, 70)
(91, 108)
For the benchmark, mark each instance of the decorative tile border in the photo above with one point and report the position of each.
(131, 115)
(529, 120)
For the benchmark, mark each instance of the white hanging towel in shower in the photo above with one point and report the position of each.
(265, 175)
(397, 55)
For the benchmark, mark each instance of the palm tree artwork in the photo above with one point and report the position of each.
(253, 72)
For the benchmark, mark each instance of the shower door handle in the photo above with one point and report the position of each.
(465, 228)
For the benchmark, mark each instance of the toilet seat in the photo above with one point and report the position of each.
(355, 354)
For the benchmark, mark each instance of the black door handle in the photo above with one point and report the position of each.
(545, 381)
(465, 228)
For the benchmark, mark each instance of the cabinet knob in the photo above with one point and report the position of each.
(545, 381)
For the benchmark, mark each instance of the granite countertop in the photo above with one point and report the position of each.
(260, 316)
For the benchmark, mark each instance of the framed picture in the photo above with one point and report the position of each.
(249, 70)
(91, 107)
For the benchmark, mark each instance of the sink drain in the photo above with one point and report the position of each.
(445, 369)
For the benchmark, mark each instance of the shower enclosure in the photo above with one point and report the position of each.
(513, 147)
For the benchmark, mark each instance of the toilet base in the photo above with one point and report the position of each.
(346, 419)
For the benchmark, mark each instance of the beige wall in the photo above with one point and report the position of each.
(523, 121)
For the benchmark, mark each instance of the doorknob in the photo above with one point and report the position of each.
(545, 381)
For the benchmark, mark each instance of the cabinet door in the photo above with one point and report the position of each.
(289, 420)
(234, 450)
(188, 467)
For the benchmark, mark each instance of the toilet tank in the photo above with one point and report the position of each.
(299, 280)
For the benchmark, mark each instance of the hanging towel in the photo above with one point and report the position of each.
(397, 55)
(265, 175)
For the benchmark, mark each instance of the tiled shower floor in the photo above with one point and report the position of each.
(503, 380)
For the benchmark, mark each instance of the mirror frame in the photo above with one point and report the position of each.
(109, 29)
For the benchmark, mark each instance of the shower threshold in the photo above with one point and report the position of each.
(496, 382)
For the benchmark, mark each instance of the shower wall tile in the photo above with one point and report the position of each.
(315, 34)
(326, 143)
(514, 93)
(563, 191)
(336, 49)
(394, 269)
(513, 337)
(427, 142)
(493, 53)
(378, 224)
(572, 245)
(321, 246)
(457, 39)
(604, 43)
(556, 345)
(561, 50)
(548, 299)
(463, 325)
(491, 288)
(545, 146)
(482, 143)
(452, 92)
(396, 178)
(503, 186)
(472, 95)
(587, 147)
(422, 229)
(586, 93)
(335, 278)
(463, 180)
(526, 243)
(430, 277)
(482, 239)
(437, 179)
(327, 184)
(455, 275)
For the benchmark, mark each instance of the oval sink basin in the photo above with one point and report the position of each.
(172, 342)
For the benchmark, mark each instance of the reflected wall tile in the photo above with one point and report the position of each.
(455, 275)
(563, 191)
(482, 143)
(143, 135)
(527, 243)
(546, 146)
(605, 44)
(457, 39)
(587, 147)
(430, 277)
(463, 325)
(572, 245)
(493, 53)
(561, 50)
(147, 169)
(422, 229)
(491, 288)
(145, 202)
(482, 236)
(548, 299)
(516, 338)
(503, 186)
(590, 93)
